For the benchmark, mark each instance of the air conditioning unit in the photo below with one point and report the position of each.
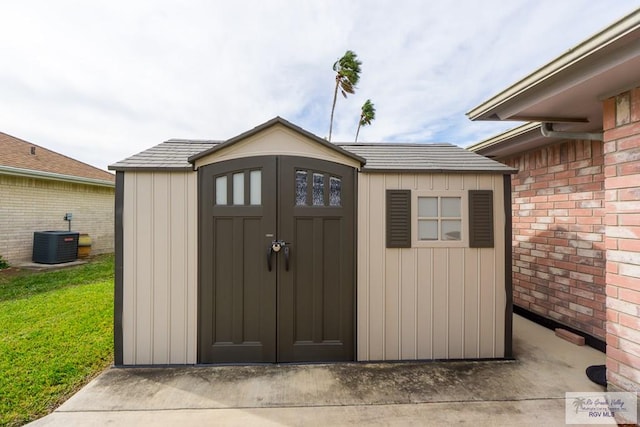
(55, 247)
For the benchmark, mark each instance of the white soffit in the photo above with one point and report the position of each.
(569, 90)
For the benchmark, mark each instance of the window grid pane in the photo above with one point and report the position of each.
(428, 229)
(335, 191)
(439, 218)
(450, 207)
(221, 190)
(238, 188)
(451, 229)
(301, 188)
(318, 189)
(255, 181)
(428, 207)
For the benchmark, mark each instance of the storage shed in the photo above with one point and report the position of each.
(278, 246)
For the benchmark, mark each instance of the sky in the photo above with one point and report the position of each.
(99, 81)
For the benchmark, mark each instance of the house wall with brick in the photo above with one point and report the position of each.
(558, 234)
(29, 204)
(621, 122)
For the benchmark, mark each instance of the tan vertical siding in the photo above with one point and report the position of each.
(159, 279)
(428, 303)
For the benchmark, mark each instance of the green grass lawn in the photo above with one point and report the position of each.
(56, 333)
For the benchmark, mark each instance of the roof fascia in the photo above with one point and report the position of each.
(29, 173)
(559, 68)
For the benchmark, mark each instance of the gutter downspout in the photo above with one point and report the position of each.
(547, 131)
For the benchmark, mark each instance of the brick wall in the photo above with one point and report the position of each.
(621, 121)
(28, 205)
(558, 233)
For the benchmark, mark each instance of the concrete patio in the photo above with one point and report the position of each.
(527, 391)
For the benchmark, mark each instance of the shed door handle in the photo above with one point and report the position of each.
(269, 256)
(286, 258)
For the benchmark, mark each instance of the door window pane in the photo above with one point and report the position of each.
(221, 190)
(451, 229)
(335, 191)
(428, 229)
(318, 189)
(427, 206)
(238, 188)
(301, 188)
(450, 207)
(255, 181)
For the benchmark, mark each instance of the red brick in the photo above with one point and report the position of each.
(635, 104)
(628, 169)
(626, 181)
(630, 143)
(570, 336)
(629, 193)
(609, 113)
(622, 131)
(622, 281)
(624, 357)
(629, 245)
(612, 366)
(628, 219)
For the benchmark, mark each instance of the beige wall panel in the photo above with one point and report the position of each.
(392, 304)
(440, 325)
(456, 259)
(160, 287)
(408, 304)
(424, 303)
(374, 252)
(363, 272)
(161, 262)
(144, 270)
(487, 316)
(277, 140)
(427, 303)
(471, 304)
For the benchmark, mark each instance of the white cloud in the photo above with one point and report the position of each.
(99, 81)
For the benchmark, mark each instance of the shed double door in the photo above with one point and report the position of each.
(261, 304)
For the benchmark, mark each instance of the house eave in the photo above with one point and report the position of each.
(29, 173)
(612, 51)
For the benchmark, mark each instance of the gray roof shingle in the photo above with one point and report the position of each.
(169, 155)
(380, 157)
(383, 157)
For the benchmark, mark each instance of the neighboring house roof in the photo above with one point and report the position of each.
(22, 158)
(569, 90)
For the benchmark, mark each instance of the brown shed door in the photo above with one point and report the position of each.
(293, 305)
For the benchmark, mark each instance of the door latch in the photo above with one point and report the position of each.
(275, 247)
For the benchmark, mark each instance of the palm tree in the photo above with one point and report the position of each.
(347, 71)
(367, 115)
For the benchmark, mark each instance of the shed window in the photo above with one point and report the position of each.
(243, 188)
(439, 218)
(317, 189)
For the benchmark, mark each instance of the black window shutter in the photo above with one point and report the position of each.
(481, 218)
(398, 218)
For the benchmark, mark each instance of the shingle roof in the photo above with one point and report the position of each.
(170, 155)
(19, 155)
(380, 157)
